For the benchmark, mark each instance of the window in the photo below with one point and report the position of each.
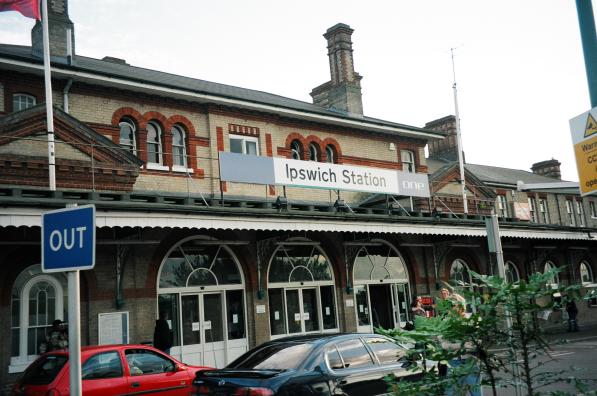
(533, 209)
(144, 362)
(570, 212)
(354, 354)
(502, 206)
(22, 102)
(330, 154)
(581, 213)
(333, 358)
(296, 150)
(387, 351)
(127, 135)
(102, 365)
(592, 207)
(586, 275)
(244, 145)
(37, 300)
(179, 150)
(553, 280)
(408, 161)
(313, 152)
(459, 273)
(512, 274)
(154, 143)
(544, 210)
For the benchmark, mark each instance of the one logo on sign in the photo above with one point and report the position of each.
(591, 127)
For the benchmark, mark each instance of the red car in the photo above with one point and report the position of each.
(109, 370)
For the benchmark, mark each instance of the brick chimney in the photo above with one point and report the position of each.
(60, 29)
(549, 168)
(343, 91)
(446, 149)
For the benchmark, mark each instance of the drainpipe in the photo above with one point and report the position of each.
(65, 92)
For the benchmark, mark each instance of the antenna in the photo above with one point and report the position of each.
(459, 137)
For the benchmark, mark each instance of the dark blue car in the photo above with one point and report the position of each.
(337, 364)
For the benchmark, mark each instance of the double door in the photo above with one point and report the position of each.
(302, 310)
(382, 305)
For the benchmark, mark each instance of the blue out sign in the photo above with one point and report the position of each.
(68, 239)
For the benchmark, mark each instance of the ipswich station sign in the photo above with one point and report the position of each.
(242, 168)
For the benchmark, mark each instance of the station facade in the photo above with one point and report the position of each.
(231, 265)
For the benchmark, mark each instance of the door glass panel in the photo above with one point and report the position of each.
(102, 365)
(168, 310)
(328, 307)
(212, 313)
(277, 320)
(310, 310)
(403, 303)
(386, 350)
(236, 314)
(190, 320)
(360, 293)
(294, 311)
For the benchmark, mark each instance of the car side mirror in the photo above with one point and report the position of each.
(179, 368)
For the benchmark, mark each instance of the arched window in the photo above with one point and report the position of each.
(22, 101)
(381, 287)
(408, 161)
(553, 280)
(179, 150)
(296, 150)
(586, 275)
(128, 131)
(512, 274)
(313, 152)
(154, 143)
(37, 300)
(330, 154)
(459, 273)
(301, 290)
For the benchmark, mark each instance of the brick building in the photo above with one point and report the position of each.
(234, 264)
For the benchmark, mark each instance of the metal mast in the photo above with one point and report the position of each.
(459, 138)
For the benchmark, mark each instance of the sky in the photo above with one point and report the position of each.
(519, 64)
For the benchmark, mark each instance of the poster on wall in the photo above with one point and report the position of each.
(113, 328)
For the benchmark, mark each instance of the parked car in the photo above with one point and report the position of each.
(337, 364)
(109, 370)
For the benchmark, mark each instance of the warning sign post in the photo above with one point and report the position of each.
(584, 138)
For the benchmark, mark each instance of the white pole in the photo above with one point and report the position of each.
(49, 110)
(458, 137)
(74, 333)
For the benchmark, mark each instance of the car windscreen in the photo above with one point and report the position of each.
(44, 370)
(279, 356)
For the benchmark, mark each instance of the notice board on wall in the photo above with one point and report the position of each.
(113, 328)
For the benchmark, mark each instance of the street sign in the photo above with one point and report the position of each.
(584, 138)
(68, 239)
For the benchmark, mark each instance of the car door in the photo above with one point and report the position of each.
(102, 374)
(391, 357)
(354, 371)
(153, 372)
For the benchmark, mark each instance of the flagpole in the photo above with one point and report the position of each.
(459, 139)
(49, 109)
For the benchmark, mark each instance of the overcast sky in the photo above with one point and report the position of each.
(519, 63)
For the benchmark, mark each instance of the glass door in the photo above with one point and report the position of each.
(400, 296)
(302, 310)
(293, 311)
(310, 310)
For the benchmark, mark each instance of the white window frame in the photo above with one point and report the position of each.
(296, 150)
(502, 204)
(159, 165)
(244, 139)
(407, 158)
(313, 152)
(533, 209)
(330, 156)
(588, 271)
(129, 147)
(570, 212)
(543, 208)
(513, 269)
(184, 167)
(21, 362)
(22, 101)
(581, 213)
(592, 208)
(549, 265)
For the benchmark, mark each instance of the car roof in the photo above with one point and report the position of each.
(319, 338)
(86, 350)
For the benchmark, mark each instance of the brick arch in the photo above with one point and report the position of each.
(296, 136)
(157, 116)
(129, 112)
(184, 121)
(336, 146)
(471, 260)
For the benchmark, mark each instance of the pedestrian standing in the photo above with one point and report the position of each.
(417, 307)
(162, 339)
(572, 312)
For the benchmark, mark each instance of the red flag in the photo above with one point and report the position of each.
(29, 8)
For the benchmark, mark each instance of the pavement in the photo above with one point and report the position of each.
(559, 334)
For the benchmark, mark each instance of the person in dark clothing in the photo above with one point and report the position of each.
(162, 339)
(572, 311)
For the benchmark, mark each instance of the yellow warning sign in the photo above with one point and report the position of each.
(586, 163)
(591, 127)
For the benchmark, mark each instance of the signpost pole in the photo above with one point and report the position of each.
(74, 333)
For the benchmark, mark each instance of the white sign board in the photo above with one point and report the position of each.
(113, 328)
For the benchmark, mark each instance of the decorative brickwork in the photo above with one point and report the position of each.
(243, 130)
